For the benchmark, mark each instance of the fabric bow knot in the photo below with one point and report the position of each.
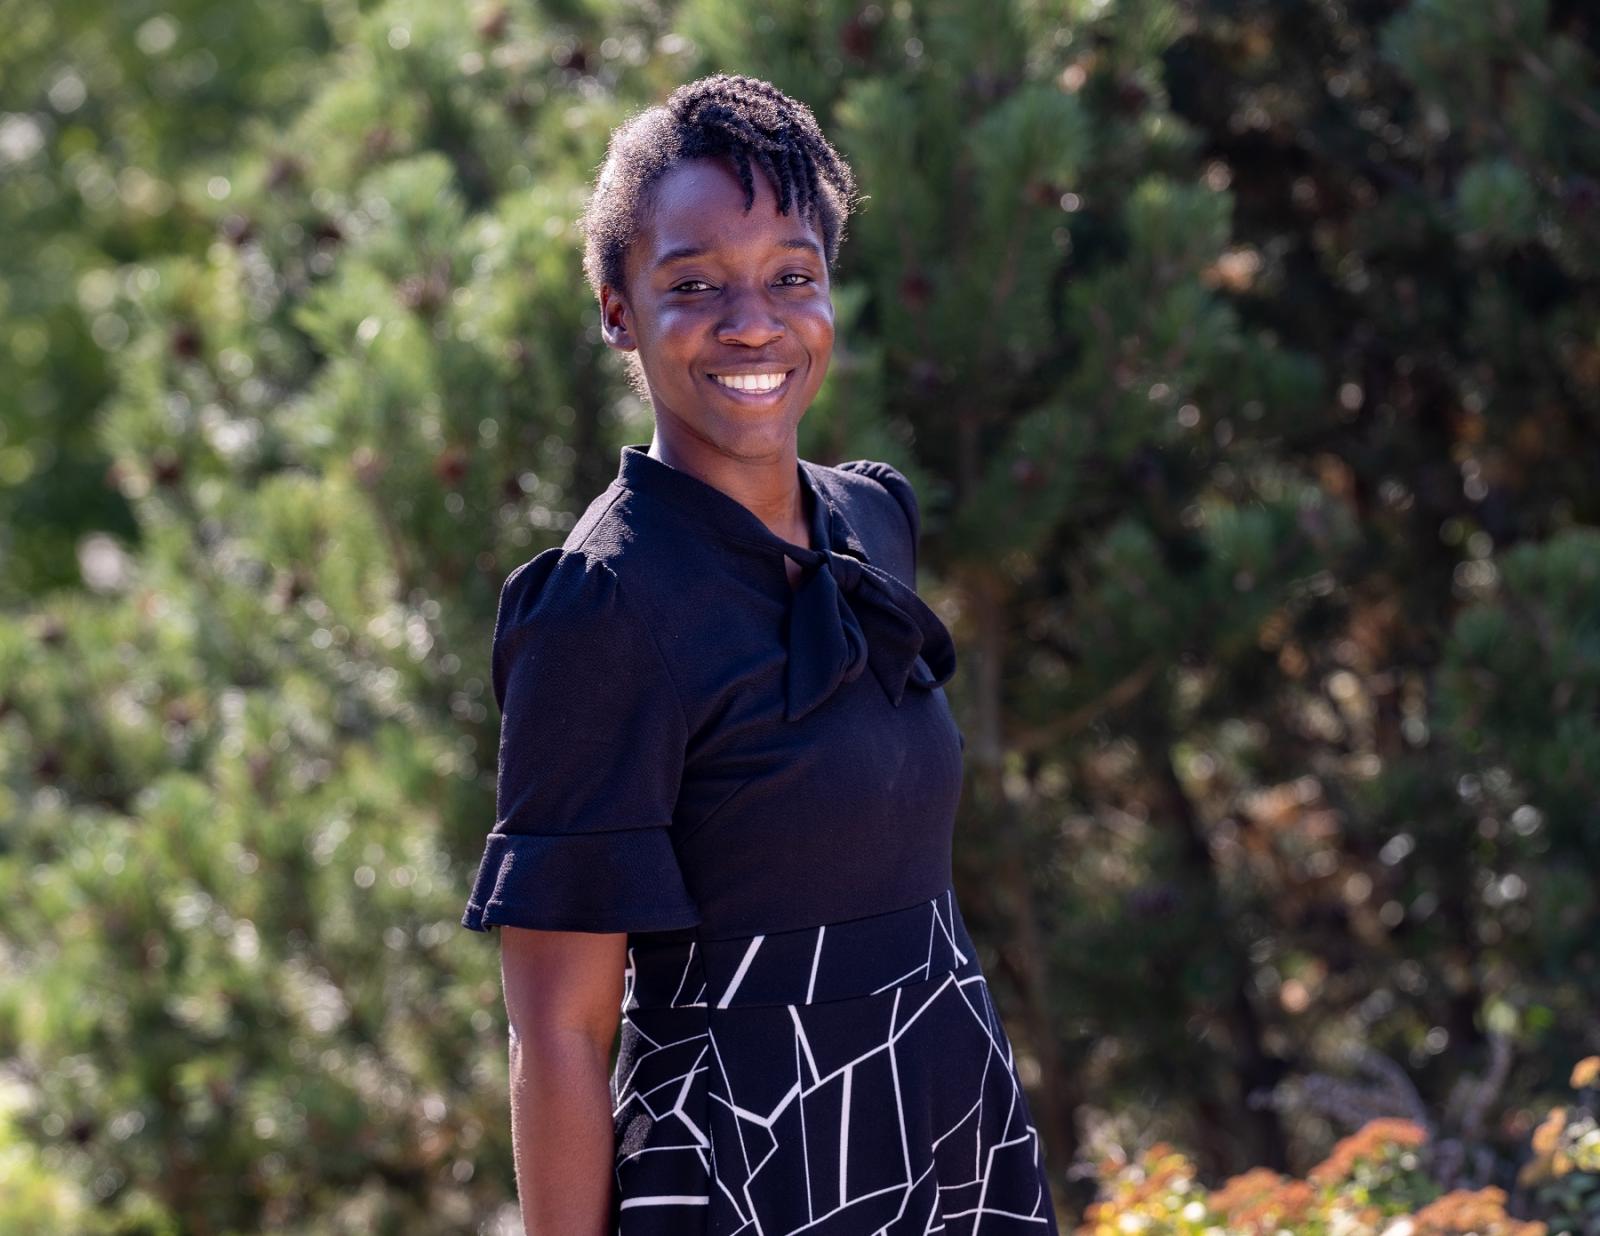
(848, 614)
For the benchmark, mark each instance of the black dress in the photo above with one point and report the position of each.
(758, 782)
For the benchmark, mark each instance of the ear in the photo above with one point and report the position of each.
(616, 320)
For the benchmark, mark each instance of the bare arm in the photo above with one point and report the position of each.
(563, 993)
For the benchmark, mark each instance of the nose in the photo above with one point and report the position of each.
(749, 319)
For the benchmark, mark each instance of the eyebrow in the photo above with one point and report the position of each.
(684, 252)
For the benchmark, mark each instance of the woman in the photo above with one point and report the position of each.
(728, 770)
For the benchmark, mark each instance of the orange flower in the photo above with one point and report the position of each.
(1547, 1137)
(1481, 1212)
(1586, 1072)
(1260, 1201)
(1142, 1189)
(1371, 1141)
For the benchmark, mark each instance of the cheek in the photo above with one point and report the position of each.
(678, 323)
(815, 324)
(676, 334)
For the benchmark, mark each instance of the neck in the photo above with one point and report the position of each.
(769, 486)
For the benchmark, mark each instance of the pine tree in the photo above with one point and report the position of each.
(254, 776)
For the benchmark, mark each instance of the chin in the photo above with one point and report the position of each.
(751, 438)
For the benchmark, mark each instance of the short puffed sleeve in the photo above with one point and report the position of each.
(900, 489)
(592, 740)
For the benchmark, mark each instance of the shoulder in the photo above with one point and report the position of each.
(558, 585)
(578, 594)
(577, 583)
(889, 479)
(569, 603)
(565, 617)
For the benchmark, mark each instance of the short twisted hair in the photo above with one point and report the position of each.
(744, 118)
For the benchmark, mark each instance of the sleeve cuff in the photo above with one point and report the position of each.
(615, 881)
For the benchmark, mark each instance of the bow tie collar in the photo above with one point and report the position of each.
(846, 615)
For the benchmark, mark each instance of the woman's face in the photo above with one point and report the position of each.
(721, 305)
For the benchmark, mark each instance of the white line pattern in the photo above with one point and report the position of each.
(862, 1088)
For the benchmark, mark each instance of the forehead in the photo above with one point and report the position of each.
(699, 204)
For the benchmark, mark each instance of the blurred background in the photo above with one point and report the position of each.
(1246, 357)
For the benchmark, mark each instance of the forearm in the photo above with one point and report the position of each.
(561, 1133)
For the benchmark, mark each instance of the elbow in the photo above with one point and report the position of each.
(538, 1041)
(563, 990)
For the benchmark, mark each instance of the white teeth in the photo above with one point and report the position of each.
(750, 381)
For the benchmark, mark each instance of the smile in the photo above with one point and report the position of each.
(752, 383)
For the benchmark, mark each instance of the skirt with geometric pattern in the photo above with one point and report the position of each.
(850, 1079)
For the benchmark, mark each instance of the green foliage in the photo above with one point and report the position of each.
(1521, 679)
(1497, 202)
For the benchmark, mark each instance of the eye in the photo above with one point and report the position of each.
(794, 274)
(685, 285)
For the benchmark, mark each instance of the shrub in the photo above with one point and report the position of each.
(1374, 1182)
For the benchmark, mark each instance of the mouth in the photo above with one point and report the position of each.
(754, 388)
